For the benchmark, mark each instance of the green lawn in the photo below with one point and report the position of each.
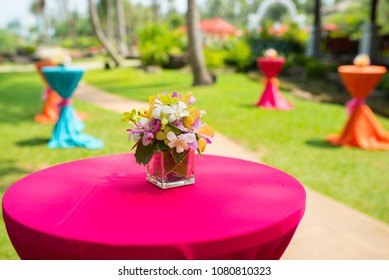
(291, 141)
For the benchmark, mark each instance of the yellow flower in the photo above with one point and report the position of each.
(186, 98)
(201, 144)
(206, 130)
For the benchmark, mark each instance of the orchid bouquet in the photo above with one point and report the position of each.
(170, 124)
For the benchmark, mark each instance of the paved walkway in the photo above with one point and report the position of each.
(328, 231)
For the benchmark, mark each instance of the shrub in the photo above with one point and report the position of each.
(238, 53)
(27, 49)
(215, 58)
(291, 42)
(384, 85)
(8, 42)
(157, 41)
(81, 42)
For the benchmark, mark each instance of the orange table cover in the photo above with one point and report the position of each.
(51, 107)
(361, 80)
(362, 130)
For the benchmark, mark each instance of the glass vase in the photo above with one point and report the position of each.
(165, 173)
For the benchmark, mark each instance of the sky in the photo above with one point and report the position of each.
(19, 9)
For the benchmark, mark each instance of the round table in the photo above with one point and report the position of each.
(271, 97)
(67, 130)
(103, 208)
(362, 130)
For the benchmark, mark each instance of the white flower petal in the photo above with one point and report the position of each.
(171, 136)
(189, 137)
(156, 113)
(166, 109)
(143, 122)
(181, 105)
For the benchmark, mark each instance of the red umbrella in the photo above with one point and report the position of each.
(218, 26)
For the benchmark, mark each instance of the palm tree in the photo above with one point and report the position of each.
(317, 30)
(200, 72)
(109, 19)
(37, 8)
(123, 49)
(155, 9)
(100, 34)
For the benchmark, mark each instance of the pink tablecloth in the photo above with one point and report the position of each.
(271, 97)
(103, 208)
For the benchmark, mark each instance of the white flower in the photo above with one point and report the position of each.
(143, 122)
(175, 111)
(182, 142)
(157, 111)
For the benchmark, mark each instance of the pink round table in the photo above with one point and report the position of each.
(103, 208)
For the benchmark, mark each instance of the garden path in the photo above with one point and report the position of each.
(328, 231)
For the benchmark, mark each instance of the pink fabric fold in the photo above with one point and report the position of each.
(353, 104)
(65, 102)
(272, 99)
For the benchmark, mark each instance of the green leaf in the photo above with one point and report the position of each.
(161, 146)
(173, 128)
(143, 154)
(178, 157)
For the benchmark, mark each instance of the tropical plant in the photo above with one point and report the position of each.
(157, 42)
(9, 42)
(238, 52)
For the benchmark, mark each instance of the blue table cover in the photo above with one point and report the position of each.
(67, 130)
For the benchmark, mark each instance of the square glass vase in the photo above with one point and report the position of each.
(165, 173)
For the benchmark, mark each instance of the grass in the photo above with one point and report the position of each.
(291, 141)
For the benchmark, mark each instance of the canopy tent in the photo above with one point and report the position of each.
(217, 27)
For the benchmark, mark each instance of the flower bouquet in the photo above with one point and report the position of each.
(270, 53)
(166, 136)
(362, 60)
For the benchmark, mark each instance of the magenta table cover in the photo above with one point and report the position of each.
(271, 97)
(103, 208)
(270, 67)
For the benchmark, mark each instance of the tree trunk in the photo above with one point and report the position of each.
(155, 9)
(100, 34)
(45, 21)
(200, 72)
(317, 26)
(123, 49)
(110, 24)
